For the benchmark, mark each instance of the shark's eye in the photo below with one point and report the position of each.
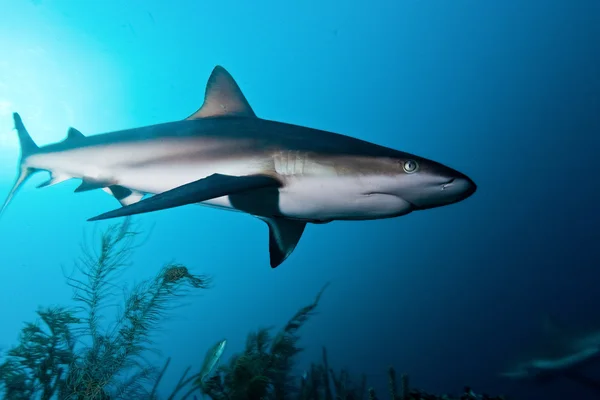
(410, 166)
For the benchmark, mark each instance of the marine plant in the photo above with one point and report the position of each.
(264, 370)
(75, 353)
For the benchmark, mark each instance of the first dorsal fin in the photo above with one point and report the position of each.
(223, 97)
(73, 133)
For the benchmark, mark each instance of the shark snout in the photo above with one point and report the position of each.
(440, 190)
(459, 187)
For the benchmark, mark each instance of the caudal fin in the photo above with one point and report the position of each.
(28, 147)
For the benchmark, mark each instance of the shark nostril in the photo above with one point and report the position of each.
(449, 183)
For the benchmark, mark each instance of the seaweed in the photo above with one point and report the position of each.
(264, 369)
(75, 354)
(38, 362)
(314, 386)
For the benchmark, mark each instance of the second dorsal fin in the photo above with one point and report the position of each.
(223, 97)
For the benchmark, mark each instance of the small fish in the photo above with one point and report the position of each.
(213, 355)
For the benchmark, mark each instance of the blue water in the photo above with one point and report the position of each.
(507, 92)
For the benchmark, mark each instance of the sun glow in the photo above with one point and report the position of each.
(43, 67)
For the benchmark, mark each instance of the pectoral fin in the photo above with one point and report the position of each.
(284, 235)
(214, 186)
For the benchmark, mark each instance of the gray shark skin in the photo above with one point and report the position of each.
(224, 156)
(562, 353)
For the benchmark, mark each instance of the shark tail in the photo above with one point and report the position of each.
(28, 148)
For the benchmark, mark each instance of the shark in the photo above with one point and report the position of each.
(225, 156)
(561, 351)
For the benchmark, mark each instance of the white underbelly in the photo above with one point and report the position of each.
(326, 200)
(337, 198)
